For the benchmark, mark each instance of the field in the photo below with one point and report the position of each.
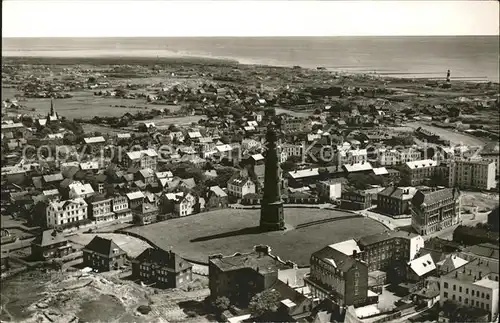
(84, 104)
(228, 231)
(163, 123)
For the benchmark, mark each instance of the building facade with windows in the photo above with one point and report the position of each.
(185, 205)
(417, 172)
(395, 200)
(50, 245)
(121, 208)
(338, 276)
(390, 251)
(147, 158)
(241, 276)
(472, 174)
(241, 186)
(103, 255)
(355, 200)
(63, 212)
(475, 284)
(435, 210)
(164, 269)
(100, 208)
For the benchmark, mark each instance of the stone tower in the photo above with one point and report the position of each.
(271, 212)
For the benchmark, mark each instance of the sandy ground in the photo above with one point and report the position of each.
(60, 297)
(484, 201)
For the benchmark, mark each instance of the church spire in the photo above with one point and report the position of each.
(53, 114)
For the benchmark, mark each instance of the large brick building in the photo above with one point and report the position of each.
(355, 200)
(390, 251)
(417, 172)
(340, 276)
(477, 174)
(103, 255)
(163, 268)
(435, 210)
(241, 276)
(474, 284)
(395, 200)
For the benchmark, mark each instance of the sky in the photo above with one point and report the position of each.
(121, 18)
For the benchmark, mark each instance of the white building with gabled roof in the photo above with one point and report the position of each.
(146, 158)
(240, 186)
(63, 212)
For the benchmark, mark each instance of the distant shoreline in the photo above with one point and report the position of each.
(51, 57)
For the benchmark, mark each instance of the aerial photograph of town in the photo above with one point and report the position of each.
(250, 161)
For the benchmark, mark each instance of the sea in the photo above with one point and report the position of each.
(472, 58)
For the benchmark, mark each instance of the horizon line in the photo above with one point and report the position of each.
(250, 36)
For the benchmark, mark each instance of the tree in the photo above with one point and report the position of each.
(221, 304)
(288, 165)
(224, 174)
(264, 302)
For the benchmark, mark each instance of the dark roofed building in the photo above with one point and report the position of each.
(339, 276)
(49, 245)
(355, 200)
(103, 255)
(163, 268)
(484, 251)
(390, 251)
(435, 210)
(395, 200)
(53, 179)
(241, 276)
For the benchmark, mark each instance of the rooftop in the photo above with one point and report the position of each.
(421, 163)
(358, 167)
(49, 237)
(104, 246)
(488, 283)
(346, 247)
(135, 195)
(430, 198)
(335, 258)
(304, 173)
(134, 155)
(384, 236)
(402, 193)
(94, 140)
(422, 265)
(380, 171)
(258, 261)
(165, 258)
(488, 250)
(218, 191)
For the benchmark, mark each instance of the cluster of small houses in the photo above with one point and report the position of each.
(140, 192)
